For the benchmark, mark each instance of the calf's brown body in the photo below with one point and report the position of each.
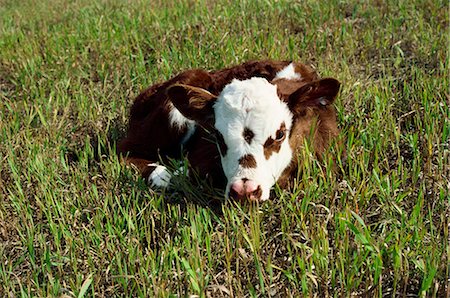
(151, 137)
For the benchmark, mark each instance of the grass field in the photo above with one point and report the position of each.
(76, 222)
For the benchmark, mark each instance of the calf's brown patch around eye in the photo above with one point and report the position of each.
(273, 146)
(247, 161)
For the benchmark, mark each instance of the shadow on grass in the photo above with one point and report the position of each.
(186, 186)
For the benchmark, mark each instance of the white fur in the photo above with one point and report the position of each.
(160, 177)
(288, 73)
(254, 104)
(179, 120)
(182, 171)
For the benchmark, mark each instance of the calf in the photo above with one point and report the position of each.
(242, 127)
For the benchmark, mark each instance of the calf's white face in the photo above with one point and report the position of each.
(253, 124)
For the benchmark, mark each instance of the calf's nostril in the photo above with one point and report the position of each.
(250, 186)
(233, 194)
(257, 193)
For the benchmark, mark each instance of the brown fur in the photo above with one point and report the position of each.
(247, 161)
(248, 135)
(273, 146)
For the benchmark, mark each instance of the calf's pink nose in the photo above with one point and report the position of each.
(245, 188)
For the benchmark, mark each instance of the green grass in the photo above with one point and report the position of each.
(76, 222)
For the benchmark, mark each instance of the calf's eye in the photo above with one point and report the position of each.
(280, 135)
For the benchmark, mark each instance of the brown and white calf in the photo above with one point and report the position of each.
(242, 127)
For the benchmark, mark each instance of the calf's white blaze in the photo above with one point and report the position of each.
(255, 105)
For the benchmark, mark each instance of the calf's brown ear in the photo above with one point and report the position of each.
(193, 102)
(320, 93)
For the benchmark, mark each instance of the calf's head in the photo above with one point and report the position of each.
(254, 122)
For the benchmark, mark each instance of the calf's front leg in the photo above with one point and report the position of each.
(156, 175)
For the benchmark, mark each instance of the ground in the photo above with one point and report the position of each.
(75, 221)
